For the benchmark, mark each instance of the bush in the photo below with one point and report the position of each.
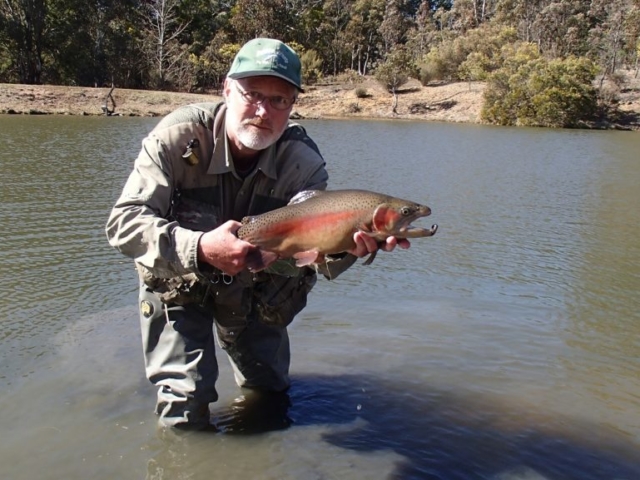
(441, 63)
(531, 90)
(395, 70)
(311, 67)
(348, 76)
(471, 57)
(353, 108)
(361, 92)
(476, 67)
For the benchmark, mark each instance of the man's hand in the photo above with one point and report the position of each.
(366, 245)
(221, 248)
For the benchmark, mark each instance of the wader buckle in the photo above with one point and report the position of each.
(215, 278)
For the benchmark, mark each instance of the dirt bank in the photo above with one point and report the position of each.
(454, 102)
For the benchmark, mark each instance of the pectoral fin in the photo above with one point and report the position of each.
(307, 258)
(369, 260)
(259, 259)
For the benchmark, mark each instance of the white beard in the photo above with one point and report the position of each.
(256, 139)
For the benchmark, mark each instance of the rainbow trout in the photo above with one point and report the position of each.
(317, 223)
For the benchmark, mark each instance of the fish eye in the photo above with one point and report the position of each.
(405, 211)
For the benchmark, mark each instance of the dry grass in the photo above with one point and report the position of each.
(54, 99)
(453, 102)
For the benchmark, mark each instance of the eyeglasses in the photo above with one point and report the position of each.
(256, 98)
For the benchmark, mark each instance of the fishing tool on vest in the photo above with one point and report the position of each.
(190, 157)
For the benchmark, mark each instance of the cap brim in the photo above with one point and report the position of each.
(262, 73)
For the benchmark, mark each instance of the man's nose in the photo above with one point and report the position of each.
(262, 109)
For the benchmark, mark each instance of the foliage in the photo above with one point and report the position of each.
(348, 76)
(469, 57)
(361, 92)
(260, 18)
(353, 108)
(23, 25)
(311, 66)
(189, 44)
(535, 91)
(485, 45)
(395, 70)
(211, 67)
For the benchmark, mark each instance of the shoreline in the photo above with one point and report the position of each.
(459, 102)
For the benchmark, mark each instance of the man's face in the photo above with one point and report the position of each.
(257, 125)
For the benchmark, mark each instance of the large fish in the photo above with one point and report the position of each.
(317, 223)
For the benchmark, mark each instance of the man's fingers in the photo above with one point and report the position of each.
(366, 244)
(370, 244)
(404, 243)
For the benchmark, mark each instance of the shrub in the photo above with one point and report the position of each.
(349, 76)
(476, 67)
(311, 67)
(361, 92)
(471, 57)
(441, 63)
(353, 108)
(395, 70)
(531, 90)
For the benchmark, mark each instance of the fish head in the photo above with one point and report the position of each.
(395, 216)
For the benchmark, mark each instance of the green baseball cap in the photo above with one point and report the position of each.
(267, 56)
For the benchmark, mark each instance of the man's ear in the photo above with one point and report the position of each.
(226, 87)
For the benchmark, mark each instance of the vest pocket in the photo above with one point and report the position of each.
(278, 299)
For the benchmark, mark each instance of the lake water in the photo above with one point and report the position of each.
(507, 346)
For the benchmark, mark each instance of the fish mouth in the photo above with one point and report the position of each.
(407, 230)
(411, 231)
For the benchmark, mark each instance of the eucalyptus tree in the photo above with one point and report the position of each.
(520, 14)
(420, 38)
(464, 16)
(261, 18)
(206, 18)
(561, 28)
(306, 17)
(212, 65)
(469, 14)
(558, 27)
(362, 33)
(395, 71)
(162, 28)
(24, 29)
(632, 29)
(333, 38)
(397, 21)
(92, 42)
(613, 36)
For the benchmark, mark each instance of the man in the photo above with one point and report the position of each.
(201, 170)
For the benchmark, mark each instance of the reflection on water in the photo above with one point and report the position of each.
(56, 193)
(506, 346)
(419, 432)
